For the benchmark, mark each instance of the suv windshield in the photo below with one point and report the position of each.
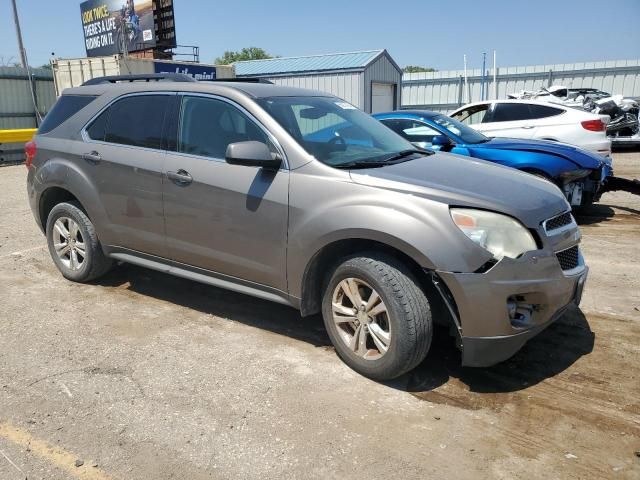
(466, 134)
(335, 132)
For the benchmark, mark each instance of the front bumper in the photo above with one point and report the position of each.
(500, 310)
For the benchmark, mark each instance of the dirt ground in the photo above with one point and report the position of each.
(146, 376)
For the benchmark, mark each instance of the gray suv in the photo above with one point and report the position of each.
(298, 197)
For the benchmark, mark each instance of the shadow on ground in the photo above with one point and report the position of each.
(599, 213)
(551, 352)
(546, 355)
(222, 303)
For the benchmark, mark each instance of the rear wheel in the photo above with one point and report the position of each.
(73, 244)
(377, 316)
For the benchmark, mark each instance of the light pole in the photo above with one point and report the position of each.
(23, 54)
(25, 64)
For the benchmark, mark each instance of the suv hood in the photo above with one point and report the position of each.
(581, 158)
(464, 181)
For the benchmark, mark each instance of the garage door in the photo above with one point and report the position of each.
(381, 97)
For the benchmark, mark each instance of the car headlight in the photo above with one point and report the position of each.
(572, 175)
(499, 234)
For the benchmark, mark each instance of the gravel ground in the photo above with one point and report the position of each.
(145, 376)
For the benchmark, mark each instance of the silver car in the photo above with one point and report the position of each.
(298, 197)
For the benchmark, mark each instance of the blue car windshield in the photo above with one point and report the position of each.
(466, 134)
(335, 132)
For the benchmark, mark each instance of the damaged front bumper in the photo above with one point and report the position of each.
(500, 310)
(584, 191)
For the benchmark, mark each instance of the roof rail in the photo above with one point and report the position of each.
(146, 77)
(240, 80)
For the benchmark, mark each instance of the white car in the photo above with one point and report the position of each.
(537, 120)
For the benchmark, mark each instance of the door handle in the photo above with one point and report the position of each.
(93, 157)
(181, 177)
(527, 127)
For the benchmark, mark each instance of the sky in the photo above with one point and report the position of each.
(415, 32)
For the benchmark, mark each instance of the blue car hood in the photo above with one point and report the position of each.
(580, 157)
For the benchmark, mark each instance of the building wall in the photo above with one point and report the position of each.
(346, 85)
(381, 71)
(353, 86)
(441, 91)
(16, 105)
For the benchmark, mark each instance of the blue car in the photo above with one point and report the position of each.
(581, 175)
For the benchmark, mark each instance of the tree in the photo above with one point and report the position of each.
(249, 53)
(417, 69)
(9, 62)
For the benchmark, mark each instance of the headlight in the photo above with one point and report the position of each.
(501, 235)
(572, 175)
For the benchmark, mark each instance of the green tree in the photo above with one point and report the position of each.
(417, 69)
(249, 53)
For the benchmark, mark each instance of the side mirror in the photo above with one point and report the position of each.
(252, 154)
(441, 141)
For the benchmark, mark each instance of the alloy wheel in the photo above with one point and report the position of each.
(69, 243)
(361, 318)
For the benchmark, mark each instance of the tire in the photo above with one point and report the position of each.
(87, 266)
(405, 323)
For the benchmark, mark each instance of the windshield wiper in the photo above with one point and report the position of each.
(405, 153)
(382, 161)
(362, 164)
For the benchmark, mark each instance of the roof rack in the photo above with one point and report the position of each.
(240, 80)
(145, 77)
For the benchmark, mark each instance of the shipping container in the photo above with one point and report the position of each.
(74, 72)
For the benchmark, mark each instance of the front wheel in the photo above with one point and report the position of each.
(377, 316)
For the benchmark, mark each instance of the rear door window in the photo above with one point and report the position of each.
(64, 108)
(98, 127)
(510, 112)
(136, 121)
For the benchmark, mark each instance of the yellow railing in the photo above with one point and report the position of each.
(22, 135)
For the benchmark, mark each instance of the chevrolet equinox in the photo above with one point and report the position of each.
(298, 197)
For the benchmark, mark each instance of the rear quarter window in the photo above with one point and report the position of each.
(543, 111)
(511, 112)
(66, 107)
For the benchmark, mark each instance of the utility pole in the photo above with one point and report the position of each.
(23, 53)
(495, 77)
(483, 77)
(25, 65)
(467, 92)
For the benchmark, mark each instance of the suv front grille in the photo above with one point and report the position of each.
(558, 222)
(569, 258)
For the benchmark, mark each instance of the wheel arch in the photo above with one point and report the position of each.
(51, 197)
(61, 180)
(327, 258)
(538, 172)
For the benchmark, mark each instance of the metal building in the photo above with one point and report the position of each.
(18, 105)
(370, 80)
(445, 91)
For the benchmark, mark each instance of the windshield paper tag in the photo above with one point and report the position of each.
(345, 106)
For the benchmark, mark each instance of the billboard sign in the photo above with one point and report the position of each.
(195, 70)
(120, 26)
